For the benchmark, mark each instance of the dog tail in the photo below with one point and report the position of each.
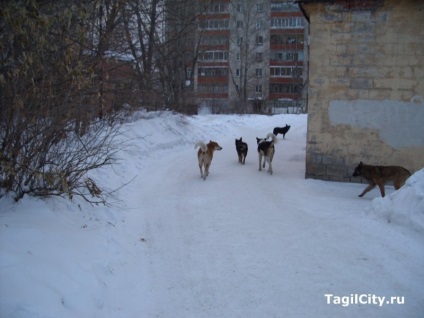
(200, 144)
(273, 138)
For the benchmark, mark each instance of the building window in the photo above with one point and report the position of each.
(238, 56)
(291, 40)
(286, 39)
(238, 7)
(259, 25)
(215, 40)
(259, 57)
(258, 72)
(238, 72)
(214, 56)
(239, 24)
(283, 6)
(212, 88)
(287, 23)
(258, 89)
(217, 8)
(285, 71)
(240, 41)
(259, 40)
(213, 72)
(284, 88)
(260, 7)
(287, 56)
(219, 24)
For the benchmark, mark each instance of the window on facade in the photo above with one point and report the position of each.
(215, 40)
(287, 56)
(258, 72)
(291, 40)
(238, 7)
(217, 8)
(238, 72)
(259, 57)
(238, 56)
(297, 71)
(284, 88)
(283, 6)
(213, 72)
(258, 89)
(285, 71)
(287, 23)
(212, 88)
(259, 40)
(221, 24)
(259, 24)
(260, 7)
(240, 41)
(286, 39)
(239, 24)
(214, 56)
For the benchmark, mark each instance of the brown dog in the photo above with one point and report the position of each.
(205, 155)
(380, 175)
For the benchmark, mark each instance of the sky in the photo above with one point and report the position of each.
(242, 243)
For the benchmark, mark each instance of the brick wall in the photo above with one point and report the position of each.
(366, 86)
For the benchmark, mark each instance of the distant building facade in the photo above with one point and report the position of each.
(252, 57)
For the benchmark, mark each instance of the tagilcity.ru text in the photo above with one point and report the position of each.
(363, 299)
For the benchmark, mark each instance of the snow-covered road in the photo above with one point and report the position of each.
(240, 244)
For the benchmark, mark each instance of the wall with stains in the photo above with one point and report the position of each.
(366, 86)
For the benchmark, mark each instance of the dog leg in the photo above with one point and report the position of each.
(381, 186)
(206, 170)
(201, 171)
(270, 167)
(368, 189)
(260, 161)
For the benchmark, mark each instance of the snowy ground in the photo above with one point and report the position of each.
(240, 244)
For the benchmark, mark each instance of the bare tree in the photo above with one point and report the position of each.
(247, 53)
(180, 51)
(49, 137)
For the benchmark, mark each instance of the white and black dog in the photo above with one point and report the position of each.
(266, 149)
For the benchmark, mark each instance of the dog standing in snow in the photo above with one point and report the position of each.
(205, 155)
(241, 148)
(282, 130)
(266, 149)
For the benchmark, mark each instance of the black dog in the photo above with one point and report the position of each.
(281, 130)
(241, 148)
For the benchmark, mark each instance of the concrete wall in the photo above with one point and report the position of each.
(366, 86)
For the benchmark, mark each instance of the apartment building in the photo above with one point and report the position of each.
(251, 56)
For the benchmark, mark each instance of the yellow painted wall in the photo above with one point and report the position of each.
(366, 87)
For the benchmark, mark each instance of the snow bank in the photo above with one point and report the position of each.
(405, 206)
